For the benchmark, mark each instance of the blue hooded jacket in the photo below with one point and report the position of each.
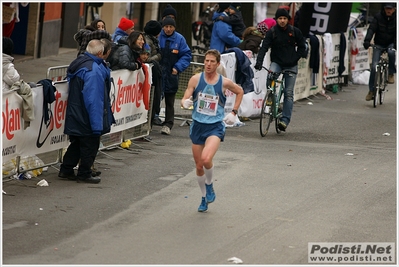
(177, 55)
(118, 34)
(222, 34)
(88, 111)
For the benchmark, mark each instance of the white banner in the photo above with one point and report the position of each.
(331, 76)
(130, 96)
(12, 127)
(130, 99)
(42, 136)
(359, 56)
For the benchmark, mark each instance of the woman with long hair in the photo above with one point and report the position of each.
(126, 53)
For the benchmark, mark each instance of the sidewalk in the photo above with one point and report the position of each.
(34, 70)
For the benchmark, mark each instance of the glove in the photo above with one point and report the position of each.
(258, 66)
(366, 45)
(188, 103)
(138, 64)
(230, 119)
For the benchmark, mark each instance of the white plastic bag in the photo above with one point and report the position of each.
(251, 104)
(361, 77)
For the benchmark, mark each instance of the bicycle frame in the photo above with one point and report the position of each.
(381, 78)
(271, 111)
(277, 93)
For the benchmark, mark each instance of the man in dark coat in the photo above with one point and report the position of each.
(383, 28)
(287, 47)
(88, 113)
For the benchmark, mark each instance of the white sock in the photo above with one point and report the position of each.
(201, 183)
(208, 175)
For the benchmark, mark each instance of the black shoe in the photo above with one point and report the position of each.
(157, 121)
(95, 173)
(282, 126)
(69, 176)
(91, 180)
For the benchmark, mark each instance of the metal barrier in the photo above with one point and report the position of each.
(58, 73)
(30, 163)
(34, 162)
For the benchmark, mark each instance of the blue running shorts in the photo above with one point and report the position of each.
(200, 131)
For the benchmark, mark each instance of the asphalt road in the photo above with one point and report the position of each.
(330, 178)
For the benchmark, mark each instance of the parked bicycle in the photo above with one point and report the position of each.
(381, 78)
(362, 20)
(202, 30)
(272, 107)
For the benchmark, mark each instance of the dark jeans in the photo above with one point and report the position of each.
(169, 109)
(83, 148)
(289, 83)
(377, 51)
(157, 83)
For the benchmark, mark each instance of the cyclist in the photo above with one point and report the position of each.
(287, 47)
(383, 28)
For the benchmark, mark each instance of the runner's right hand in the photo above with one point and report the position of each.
(188, 103)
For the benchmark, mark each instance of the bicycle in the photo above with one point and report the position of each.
(381, 78)
(271, 107)
(362, 20)
(202, 30)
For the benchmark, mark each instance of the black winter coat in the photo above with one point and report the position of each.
(123, 57)
(384, 29)
(286, 47)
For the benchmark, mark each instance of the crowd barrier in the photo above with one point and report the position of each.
(340, 55)
(132, 97)
(40, 144)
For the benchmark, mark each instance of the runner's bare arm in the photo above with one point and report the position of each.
(234, 88)
(190, 88)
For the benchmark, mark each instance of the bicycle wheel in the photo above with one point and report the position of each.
(377, 86)
(265, 115)
(278, 116)
(384, 82)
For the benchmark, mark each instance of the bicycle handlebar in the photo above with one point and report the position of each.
(382, 48)
(279, 72)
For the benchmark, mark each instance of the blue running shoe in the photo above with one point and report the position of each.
(204, 206)
(210, 194)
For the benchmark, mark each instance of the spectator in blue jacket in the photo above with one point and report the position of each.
(175, 58)
(222, 34)
(125, 27)
(88, 113)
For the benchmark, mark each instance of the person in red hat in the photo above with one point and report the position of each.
(125, 27)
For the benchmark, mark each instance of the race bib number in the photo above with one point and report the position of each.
(207, 104)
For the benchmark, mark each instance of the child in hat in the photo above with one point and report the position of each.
(235, 19)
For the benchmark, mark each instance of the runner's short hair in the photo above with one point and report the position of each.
(215, 53)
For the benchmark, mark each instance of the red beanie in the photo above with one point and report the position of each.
(125, 24)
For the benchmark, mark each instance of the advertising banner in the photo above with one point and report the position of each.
(324, 17)
(130, 97)
(12, 128)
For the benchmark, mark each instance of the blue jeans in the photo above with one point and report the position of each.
(377, 51)
(289, 82)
